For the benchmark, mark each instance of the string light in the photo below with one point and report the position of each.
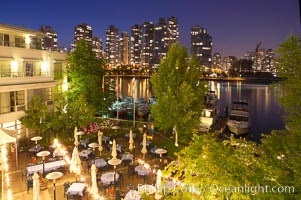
(4, 169)
(75, 169)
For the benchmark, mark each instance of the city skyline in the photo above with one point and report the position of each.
(235, 26)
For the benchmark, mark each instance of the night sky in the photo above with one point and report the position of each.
(235, 25)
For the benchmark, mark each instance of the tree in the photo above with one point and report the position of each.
(179, 93)
(281, 150)
(270, 170)
(290, 70)
(37, 117)
(86, 77)
(80, 112)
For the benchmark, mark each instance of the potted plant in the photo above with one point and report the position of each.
(43, 183)
(111, 191)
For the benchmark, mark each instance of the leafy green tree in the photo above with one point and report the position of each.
(232, 169)
(290, 69)
(85, 77)
(62, 120)
(270, 170)
(281, 150)
(37, 117)
(80, 112)
(179, 93)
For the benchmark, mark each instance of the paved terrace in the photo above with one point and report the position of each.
(19, 187)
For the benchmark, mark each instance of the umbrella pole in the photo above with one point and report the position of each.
(54, 190)
(114, 177)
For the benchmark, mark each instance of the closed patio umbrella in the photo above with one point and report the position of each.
(131, 141)
(100, 133)
(94, 188)
(75, 165)
(144, 149)
(36, 187)
(158, 185)
(114, 150)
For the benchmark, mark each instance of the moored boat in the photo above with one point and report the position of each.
(238, 121)
(211, 113)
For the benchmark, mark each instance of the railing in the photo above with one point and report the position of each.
(20, 45)
(23, 74)
(9, 109)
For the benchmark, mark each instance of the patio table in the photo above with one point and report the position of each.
(128, 135)
(85, 153)
(108, 177)
(148, 143)
(118, 148)
(84, 142)
(129, 157)
(49, 166)
(148, 189)
(132, 195)
(105, 139)
(35, 149)
(76, 189)
(143, 171)
(100, 162)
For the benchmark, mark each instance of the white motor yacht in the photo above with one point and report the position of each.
(211, 113)
(238, 121)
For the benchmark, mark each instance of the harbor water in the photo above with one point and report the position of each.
(265, 110)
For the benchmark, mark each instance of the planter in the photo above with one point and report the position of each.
(43, 184)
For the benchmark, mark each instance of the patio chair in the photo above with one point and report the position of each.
(120, 177)
(73, 197)
(23, 173)
(119, 194)
(131, 171)
(29, 183)
(66, 186)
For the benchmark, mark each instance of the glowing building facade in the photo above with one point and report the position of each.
(26, 70)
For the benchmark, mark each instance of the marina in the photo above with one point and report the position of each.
(265, 110)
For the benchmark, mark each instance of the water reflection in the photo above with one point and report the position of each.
(265, 110)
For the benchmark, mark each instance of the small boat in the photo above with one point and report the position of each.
(119, 107)
(141, 109)
(152, 100)
(211, 113)
(238, 121)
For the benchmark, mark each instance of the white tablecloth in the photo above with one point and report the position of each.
(108, 177)
(36, 149)
(128, 135)
(142, 170)
(49, 166)
(100, 163)
(57, 152)
(153, 150)
(148, 143)
(84, 142)
(148, 189)
(85, 153)
(127, 157)
(132, 195)
(118, 147)
(76, 189)
(105, 139)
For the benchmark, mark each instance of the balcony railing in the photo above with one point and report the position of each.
(20, 45)
(23, 74)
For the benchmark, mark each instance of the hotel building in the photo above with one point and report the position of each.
(26, 70)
